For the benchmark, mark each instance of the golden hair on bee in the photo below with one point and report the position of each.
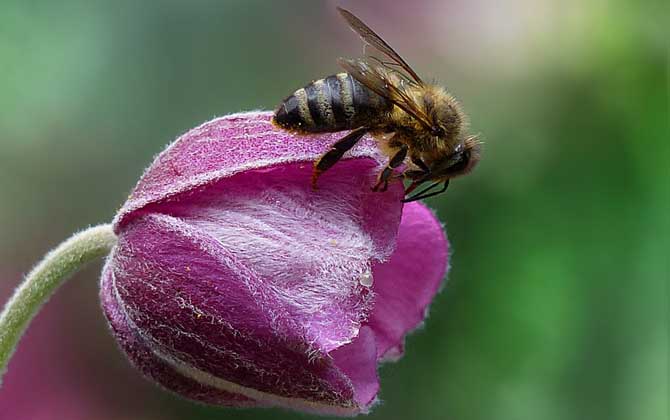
(417, 124)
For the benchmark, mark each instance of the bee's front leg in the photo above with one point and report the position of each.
(417, 176)
(421, 164)
(383, 178)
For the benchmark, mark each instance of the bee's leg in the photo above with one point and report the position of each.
(421, 164)
(330, 158)
(385, 174)
(418, 176)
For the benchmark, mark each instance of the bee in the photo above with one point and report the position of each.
(414, 123)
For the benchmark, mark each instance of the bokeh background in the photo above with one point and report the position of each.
(556, 305)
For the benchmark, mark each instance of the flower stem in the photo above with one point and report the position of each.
(44, 279)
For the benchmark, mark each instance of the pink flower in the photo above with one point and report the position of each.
(233, 283)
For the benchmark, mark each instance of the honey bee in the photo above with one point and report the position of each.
(413, 122)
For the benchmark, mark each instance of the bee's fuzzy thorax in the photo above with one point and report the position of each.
(442, 108)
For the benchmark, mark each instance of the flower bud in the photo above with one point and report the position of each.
(234, 283)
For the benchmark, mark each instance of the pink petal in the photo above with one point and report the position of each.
(407, 283)
(271, 264)
(234, 283)
(309, 247)
(358, 361)
(225, 146)
(194, 304)
(140, 355)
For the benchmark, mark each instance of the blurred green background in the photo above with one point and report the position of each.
(556, 306)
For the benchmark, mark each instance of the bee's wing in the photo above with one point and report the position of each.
(386, 83)
(374, 40)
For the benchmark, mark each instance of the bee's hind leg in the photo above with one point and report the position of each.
(337, 150)
(397, 159)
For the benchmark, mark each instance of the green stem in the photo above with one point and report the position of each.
(44, 279)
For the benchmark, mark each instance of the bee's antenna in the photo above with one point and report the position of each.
(425, 194)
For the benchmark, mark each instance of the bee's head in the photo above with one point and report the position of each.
(460, 162)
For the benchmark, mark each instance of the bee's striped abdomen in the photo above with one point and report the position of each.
(335, 103)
